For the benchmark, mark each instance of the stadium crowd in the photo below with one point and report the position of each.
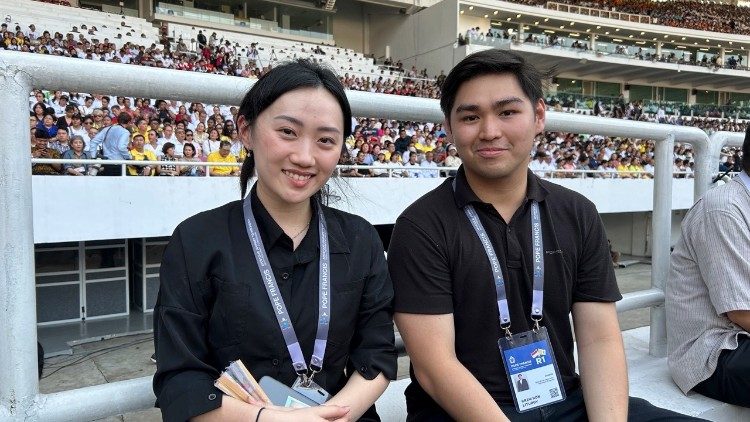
(64, 125)
(74, 126)
(700, 15)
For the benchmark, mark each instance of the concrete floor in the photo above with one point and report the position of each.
(114, 359)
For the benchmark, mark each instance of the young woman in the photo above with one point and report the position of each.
(213, 142)
(213, 304)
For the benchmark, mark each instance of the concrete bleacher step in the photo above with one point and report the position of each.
(650, 379)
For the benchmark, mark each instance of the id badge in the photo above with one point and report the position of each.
(531, 369)
(312, 391)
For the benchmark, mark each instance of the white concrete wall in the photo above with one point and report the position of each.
(420, 39)
(92, 208)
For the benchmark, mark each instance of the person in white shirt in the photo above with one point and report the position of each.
(412, 165)
(398, 168)
(429, 162)
(538, 165)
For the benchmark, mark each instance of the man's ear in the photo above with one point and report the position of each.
(540, 116)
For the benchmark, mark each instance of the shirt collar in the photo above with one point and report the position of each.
(464, 195)
(271, 232)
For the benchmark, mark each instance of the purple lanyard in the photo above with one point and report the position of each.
(277, 302)
(497, 272)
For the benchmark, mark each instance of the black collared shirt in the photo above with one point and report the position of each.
(438, 266)
(212, 307)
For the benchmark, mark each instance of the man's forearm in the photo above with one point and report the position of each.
(604, 378)
(456, 390)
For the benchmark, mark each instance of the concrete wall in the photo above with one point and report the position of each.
(107, 205)
(630, 233)
(349, 26)
(423, 39)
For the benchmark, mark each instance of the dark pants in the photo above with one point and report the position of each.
(730, 382)
(573, 409)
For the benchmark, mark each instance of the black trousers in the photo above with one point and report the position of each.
(573, 409)
(730, 382)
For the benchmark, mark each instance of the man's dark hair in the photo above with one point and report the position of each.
(123, 118)
(490, 62)
(746, 152)
(223, 144)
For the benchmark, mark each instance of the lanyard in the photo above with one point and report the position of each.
(497, 272)
(274, 295)
(744, 178)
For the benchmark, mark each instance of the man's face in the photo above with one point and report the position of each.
(494, 124)
(180, 135)
(138, 142)
(224, 151)
(62, 135)
(413, 158)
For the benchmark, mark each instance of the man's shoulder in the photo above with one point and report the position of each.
(435, 204)
(567, 200)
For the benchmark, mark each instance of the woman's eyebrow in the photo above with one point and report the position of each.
(298, 122)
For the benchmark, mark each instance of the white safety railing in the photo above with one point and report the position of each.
(19, 73)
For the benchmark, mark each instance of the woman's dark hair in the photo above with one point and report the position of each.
(167, 146)
(282, 79)
(492, 62)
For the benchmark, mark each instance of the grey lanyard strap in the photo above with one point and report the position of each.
(497, 272)
(274, 295)
(744, 178)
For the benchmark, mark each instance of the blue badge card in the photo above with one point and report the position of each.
(531, 369)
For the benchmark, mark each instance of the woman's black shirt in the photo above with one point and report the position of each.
(212, 307)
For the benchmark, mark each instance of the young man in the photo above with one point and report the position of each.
(708, 294)
(449, 299)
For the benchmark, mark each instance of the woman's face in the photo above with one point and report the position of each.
(38, 109)
(170, 152)
(152, 136)
(200, 128)
(77, 145)
(48, 120)
(213, 135)
(296, 142)
(188, 151)
(183, 110)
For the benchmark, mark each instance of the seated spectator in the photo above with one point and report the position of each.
(223, 155)
(412, 166)
(452, 160)
(60, 142)
(398, 168)
(46, 129)
(139, 153)
(77, 151)
(708, 294)
(429, 162)
(213, 143)
(380, 162)
(188, 154)
(168, 155)
(39, 149)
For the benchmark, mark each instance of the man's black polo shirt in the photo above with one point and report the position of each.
(438, 266)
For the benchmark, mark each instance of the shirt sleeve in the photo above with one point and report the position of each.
(122, 144)
(184, 382)
(373, 349)
(419, 269)
(595, 277)
(723, 258)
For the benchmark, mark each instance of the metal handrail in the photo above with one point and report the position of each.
(19, 388)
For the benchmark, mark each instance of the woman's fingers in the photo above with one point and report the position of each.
(331, 413)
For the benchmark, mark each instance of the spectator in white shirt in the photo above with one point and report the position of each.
(429, 162)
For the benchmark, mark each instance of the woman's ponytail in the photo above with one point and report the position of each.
(246, 172)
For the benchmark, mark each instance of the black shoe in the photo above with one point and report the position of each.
(153, 357)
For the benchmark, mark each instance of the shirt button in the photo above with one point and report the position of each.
(363, 369)
(275, 362)
(285, 276)
(212, 396)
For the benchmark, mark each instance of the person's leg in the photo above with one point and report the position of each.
(640, 410)
(730, 382)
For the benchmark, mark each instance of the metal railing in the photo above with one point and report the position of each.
(19, 388)
(600, 13)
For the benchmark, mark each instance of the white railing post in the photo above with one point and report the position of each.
(18, 354)
(661, 227)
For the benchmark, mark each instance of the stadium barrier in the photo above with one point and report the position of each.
(19, 73)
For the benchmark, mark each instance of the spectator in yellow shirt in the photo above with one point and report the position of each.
(140, 154)
(223, 155)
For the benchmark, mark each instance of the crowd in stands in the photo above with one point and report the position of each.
(68, 126)
(700, 15)
(62, 125)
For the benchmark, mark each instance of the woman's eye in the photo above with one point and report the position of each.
(329, 141)
(287, 131)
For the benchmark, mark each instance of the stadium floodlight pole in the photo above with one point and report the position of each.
(18, 352)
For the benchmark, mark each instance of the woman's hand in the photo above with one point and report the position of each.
(315, 414)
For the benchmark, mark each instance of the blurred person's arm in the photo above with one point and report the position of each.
(123, 145)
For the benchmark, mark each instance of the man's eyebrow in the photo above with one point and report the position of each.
(497, 104)
(298, 122)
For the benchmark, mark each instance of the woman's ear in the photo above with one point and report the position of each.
(245, 131)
